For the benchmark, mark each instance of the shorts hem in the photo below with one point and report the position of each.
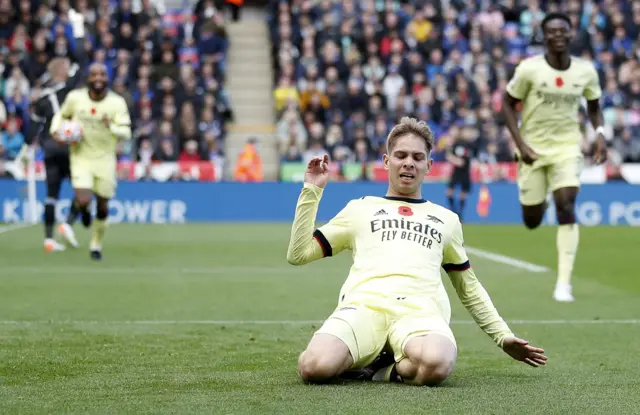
(529, 203)
(564, 186)
(111, 196)
(355, 355)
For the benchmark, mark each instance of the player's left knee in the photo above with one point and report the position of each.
(83, 198)
(102, 212)
(432, 358)
(565, 213)
(432, 371)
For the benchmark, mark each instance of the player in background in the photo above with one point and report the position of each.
(62, 77)
(460, 154)
(394, 294)
(105, 119)
(548, 142)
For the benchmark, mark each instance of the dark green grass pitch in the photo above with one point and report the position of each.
(211, 319)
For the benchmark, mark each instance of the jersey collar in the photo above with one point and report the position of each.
(404, 199)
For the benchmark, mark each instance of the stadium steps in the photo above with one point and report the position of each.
(249, 82)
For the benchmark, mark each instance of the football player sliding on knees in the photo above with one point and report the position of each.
(392, 320)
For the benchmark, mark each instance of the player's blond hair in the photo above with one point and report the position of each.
(56, 65)
(409, 125)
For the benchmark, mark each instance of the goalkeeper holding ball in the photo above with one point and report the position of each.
(63, 77)
(104, 117)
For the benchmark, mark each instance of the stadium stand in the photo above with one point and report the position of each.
(168, 63)
(346, 71)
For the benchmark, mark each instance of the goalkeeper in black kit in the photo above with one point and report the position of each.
(62, 78)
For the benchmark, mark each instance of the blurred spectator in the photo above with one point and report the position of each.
(628, 146)
(285, 93)
(166, 151)
(249, 165)
(290, 129)
(12, 139)
(235, 6)
(16, 83)
(190, 152)
(353, 68)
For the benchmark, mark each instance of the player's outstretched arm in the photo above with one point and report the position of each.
(303, 247)
(476, 300)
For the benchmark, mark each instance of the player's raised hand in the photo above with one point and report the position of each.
(527, 154)
(318, 171)
(522, 351)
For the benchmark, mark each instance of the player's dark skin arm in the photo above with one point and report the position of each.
(532, 215)
(509, 113)
(595, 116)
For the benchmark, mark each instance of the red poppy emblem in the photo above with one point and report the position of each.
(93, 111)
(559, 82)
(405, 211)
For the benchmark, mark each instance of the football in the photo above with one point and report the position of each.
(70, 131)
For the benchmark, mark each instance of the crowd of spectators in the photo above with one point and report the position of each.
(168, 64)
(345, 71)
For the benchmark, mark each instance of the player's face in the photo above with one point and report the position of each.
(97, 79)
(407, 163)
(557, 35)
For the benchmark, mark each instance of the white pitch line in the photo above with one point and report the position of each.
(155, 270)
(506, 260)
(9, 228)
(293, 322)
